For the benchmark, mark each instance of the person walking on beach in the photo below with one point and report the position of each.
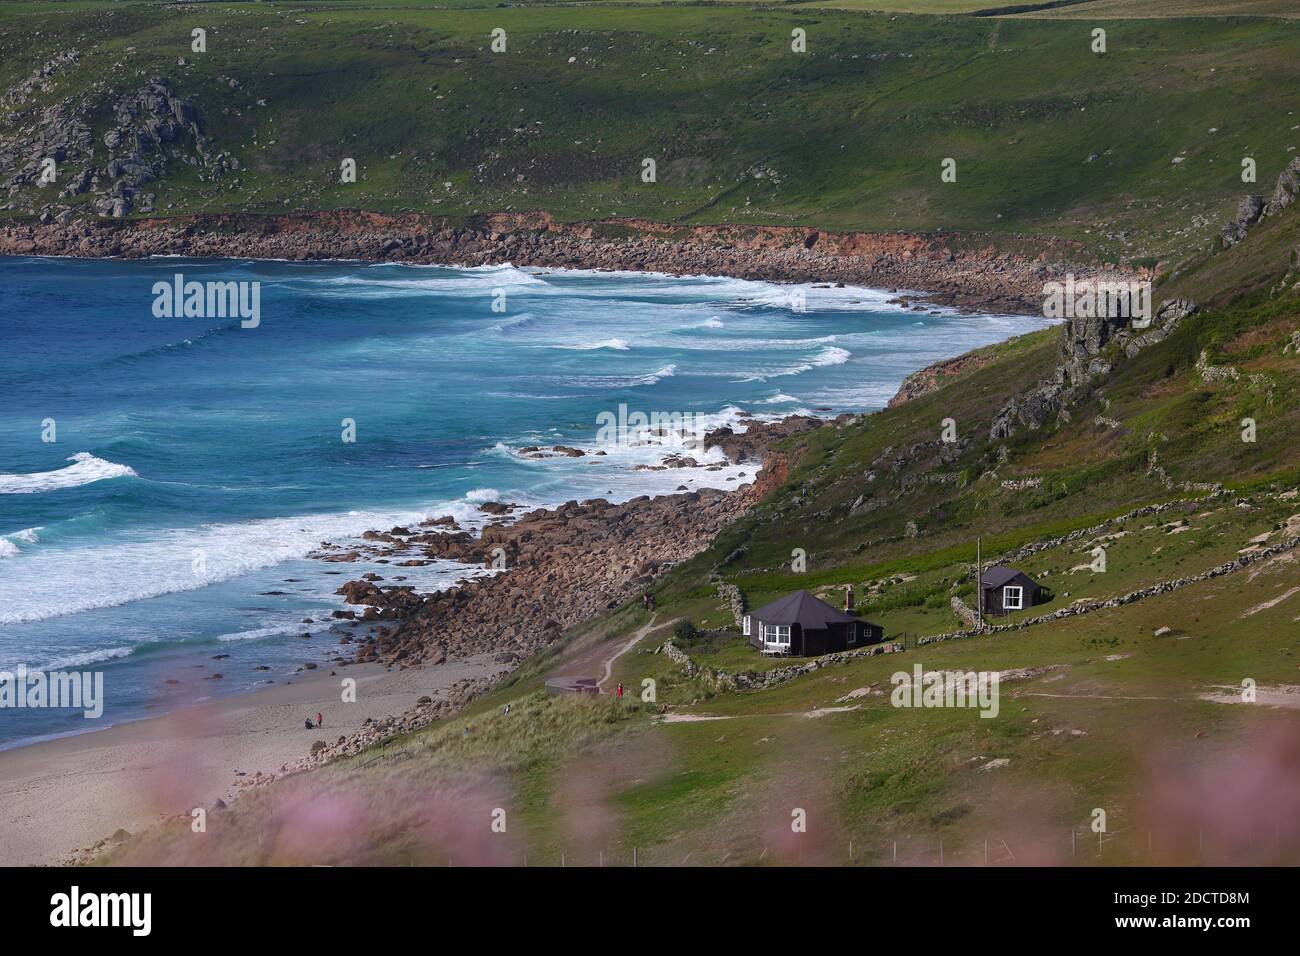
(320, 720)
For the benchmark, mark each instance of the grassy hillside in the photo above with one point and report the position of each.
(1107, 716)
(1134, 709)
(1137, 152)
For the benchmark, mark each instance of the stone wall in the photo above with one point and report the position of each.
(1097, 529)
(735, 600)
(964, 612)
(758, 680)
(1086, 607)
(679, 656)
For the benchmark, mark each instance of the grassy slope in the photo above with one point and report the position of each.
(1115, 719)
(593, 780)
(849, 136)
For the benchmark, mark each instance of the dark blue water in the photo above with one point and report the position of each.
(196, 463)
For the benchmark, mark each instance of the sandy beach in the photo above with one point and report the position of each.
(62, 796)
(60, 799)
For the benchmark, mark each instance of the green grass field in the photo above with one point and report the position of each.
(1049, 138)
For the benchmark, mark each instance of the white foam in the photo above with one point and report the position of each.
(623, 461)
(9, 549)
(832, 356)
(618, 345)
(98, 655)
(135, 566)
(668, 371)
(414, 280)
(85, 468)
(257, 633)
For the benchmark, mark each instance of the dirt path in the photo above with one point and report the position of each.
(697, 718)
(632, 642)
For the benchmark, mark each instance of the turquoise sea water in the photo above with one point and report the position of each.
(196, 463)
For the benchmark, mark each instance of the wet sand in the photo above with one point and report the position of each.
(59, 797)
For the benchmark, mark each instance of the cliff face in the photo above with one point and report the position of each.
(950, 269)
(1089, 347)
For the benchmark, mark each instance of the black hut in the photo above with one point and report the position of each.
(805, 626)
(1007, 590)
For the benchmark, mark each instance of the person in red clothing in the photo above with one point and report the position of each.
(620, 690)
(319, 720)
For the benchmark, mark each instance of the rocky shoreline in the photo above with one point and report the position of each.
(554, 567)
(562, 567)
(947, 269)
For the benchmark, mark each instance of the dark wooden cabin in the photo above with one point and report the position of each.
(805, 626)
(1007, 590)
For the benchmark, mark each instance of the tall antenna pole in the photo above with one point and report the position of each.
(979, 582)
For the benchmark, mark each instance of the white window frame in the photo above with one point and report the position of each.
(771, 635)
(1019, 598)
(746, 627)
(853, 634)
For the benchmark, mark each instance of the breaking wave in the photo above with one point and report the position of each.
(85, 468)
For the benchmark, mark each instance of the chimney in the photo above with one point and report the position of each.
(848, 598)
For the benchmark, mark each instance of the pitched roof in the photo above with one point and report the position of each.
(999, 575)
(803, 609)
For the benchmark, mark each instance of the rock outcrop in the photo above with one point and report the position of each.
(1288, 187)
(1089, 348)
(152, 130)
(1251, 209)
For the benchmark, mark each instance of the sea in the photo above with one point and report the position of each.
(166, 472)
